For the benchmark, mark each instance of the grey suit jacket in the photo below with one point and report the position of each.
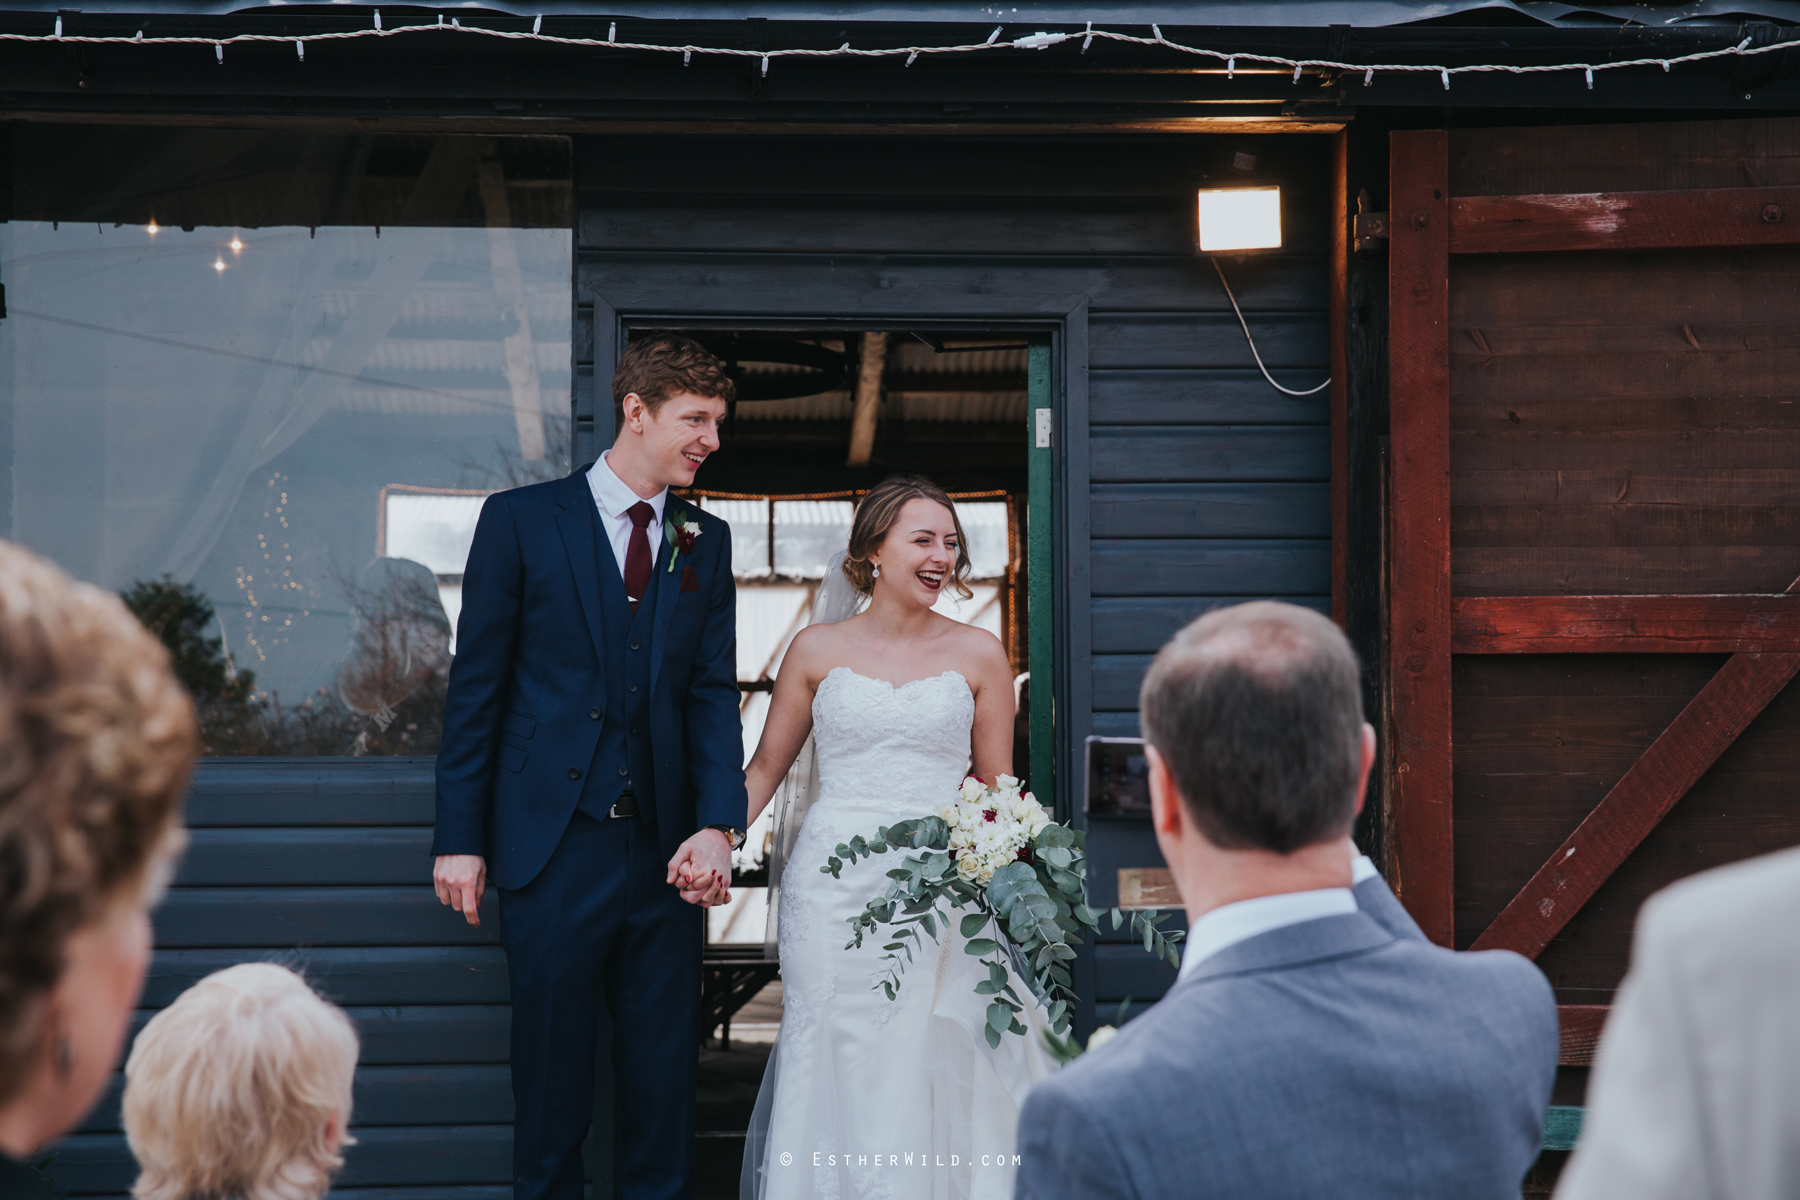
(1328, 1058)
(1696, 1091)
(1379, 903)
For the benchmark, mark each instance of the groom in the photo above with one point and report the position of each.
(592, 763)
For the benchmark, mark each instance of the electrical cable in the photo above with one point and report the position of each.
(1252, 341)
(1032, 41)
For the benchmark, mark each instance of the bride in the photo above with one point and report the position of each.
(866, 1097)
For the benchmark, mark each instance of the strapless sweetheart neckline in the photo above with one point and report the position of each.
(903, 686)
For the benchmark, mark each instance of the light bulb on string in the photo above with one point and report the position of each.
(219, 265)
(152, 228)
(237, 244)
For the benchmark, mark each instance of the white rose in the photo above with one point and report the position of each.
(1101, 1036)
(972, 789)
(968, 865)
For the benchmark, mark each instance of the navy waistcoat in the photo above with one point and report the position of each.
(623, 755)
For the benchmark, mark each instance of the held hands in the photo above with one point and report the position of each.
(460, 880)
(701, 869)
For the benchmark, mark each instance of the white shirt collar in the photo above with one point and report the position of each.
(1233, 923)
(613, 497)
(1361, 869)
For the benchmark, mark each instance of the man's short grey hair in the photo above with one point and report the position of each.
(1258, 713)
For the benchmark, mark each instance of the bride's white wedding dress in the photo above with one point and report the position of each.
(867, 1098)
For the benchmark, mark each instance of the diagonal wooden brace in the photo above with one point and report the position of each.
(1693, 741)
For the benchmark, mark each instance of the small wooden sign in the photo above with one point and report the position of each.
(1147, 887)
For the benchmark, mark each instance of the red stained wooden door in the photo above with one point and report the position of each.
(1594, 528)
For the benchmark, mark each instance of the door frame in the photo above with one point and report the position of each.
(609, 316)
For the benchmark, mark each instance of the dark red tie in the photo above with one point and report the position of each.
(637, 552)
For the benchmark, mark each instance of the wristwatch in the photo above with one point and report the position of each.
(732, 833)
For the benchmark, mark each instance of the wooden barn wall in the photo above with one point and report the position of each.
(325, 865)
(1621, 423)
(1205, 486)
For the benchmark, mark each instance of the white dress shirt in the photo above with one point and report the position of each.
(1230, 924)
(1361, 869)
(613, 498)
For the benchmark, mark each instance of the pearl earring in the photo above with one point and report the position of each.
(877, 571)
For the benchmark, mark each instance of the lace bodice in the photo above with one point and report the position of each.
(903, 750)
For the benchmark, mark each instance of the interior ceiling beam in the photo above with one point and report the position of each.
(868, 398)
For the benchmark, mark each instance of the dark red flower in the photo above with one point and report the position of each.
(685, 539)
(1024, 856)
(988, 814)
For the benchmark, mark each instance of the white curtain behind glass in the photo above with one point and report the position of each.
(154, 379)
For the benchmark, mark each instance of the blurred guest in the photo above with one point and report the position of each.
(396, 673)
(96, 742)
(241, 1089)
(1307, 1048)
(1696, 1088)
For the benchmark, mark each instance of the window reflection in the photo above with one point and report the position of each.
(269, 436)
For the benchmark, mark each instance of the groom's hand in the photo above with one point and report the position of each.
(460, 880)
(701, 868)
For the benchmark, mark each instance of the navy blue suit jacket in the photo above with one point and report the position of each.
(528, 678)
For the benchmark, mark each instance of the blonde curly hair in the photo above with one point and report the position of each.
(875, 518)
(96, 742)
(232, 1089)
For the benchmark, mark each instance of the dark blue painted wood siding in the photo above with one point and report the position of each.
(325, 865)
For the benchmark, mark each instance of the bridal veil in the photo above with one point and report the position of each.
(837, 600)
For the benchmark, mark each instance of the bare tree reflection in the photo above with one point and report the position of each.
(510, 468)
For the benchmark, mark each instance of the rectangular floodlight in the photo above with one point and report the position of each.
(1247, 218)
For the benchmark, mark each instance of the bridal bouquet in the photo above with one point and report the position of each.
(995, 850)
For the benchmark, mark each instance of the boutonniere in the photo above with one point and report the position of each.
(681, 533)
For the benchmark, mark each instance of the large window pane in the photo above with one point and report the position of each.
(274, 440)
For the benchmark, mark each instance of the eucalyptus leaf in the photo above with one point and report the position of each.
(972, 925)
(993, 1036)
(998, 1016)
(981, 946)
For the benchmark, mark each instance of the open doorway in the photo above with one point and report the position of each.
(821, 417)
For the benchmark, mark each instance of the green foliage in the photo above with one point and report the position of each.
(1033, 912)
(42, 1168)
(235, 716)
(1065, 1049)
(178, 615)
(1145, 923)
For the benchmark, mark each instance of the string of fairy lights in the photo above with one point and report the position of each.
(1231, 60)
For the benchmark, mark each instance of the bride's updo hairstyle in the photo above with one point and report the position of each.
(876, 517)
